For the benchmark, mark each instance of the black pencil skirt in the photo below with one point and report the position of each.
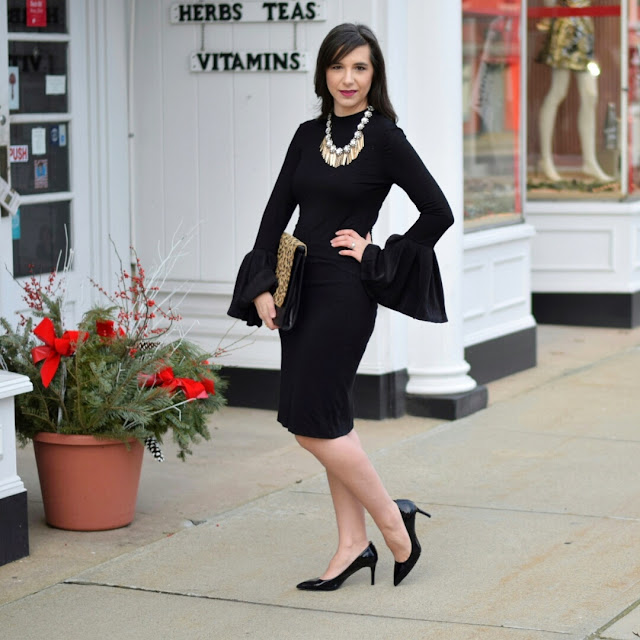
(321, 354)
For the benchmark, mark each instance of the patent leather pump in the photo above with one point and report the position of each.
(408, 511)
(367, 558)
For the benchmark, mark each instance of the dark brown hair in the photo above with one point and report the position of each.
(338, 43)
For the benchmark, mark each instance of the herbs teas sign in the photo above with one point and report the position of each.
(212, 12)
(230, 12)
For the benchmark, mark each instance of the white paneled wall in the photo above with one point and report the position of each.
(496, 283)
(585, 247)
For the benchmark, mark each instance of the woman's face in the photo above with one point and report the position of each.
(349, 81)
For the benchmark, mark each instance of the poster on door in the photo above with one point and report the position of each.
(41, 174)
(15, 226)
(36, 13)
(14, 88)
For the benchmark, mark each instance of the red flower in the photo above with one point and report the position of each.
(104, 328)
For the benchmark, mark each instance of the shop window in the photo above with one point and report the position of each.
(491, 112)
(579, 119)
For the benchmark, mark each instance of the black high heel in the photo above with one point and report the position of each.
(367, 558)
(408, 510)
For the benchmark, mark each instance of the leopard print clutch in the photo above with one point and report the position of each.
(289, 269)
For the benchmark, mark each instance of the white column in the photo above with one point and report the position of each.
(436, 352)
(99, 41)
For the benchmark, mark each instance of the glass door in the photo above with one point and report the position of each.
(40, 134)
(7, 301)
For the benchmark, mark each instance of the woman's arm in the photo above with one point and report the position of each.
(405, 276)
(406, 169)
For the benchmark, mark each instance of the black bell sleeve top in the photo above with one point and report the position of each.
(403, 276)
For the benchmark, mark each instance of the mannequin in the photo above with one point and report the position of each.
(569, 49)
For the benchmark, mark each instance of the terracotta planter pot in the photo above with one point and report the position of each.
(87, 484)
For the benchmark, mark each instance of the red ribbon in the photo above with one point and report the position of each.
(104, 328)
(193, 389)
(54, 348)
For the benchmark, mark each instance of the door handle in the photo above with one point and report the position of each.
(4, 163)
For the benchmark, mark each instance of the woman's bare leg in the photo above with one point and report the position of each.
(352, 530)
(355, 484)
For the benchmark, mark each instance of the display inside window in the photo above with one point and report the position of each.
(40, 157)
(37, 77)
(40, 238)
(574, 109)
(49, 16)
(491, 112)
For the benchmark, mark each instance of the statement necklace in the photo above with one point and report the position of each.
(339, 156)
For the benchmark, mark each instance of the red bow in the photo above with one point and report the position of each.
(54, 348)
(193, 389)
(104, 328)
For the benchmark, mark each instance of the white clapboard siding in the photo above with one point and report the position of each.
(147, 125)
(180, 131)
(216, 169)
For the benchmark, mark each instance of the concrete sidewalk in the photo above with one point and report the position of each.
(535, 531)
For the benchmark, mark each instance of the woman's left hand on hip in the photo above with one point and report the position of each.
(354, 244)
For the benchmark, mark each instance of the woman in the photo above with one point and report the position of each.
(340, 191)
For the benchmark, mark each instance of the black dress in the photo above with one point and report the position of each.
(321, 354)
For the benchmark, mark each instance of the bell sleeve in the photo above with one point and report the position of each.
(257, 272)
(404, 276)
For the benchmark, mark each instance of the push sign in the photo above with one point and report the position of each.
(19, 153)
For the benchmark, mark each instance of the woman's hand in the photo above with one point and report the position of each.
(353, 242)
(266, 308)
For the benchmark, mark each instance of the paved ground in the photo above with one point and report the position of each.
(535, 531)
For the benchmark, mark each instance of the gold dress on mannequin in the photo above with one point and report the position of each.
(569, 42)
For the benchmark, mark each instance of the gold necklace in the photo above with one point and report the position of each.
(340, 156)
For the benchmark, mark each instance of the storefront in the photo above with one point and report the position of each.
(583, 156)
(137, 121)
(134, 121)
